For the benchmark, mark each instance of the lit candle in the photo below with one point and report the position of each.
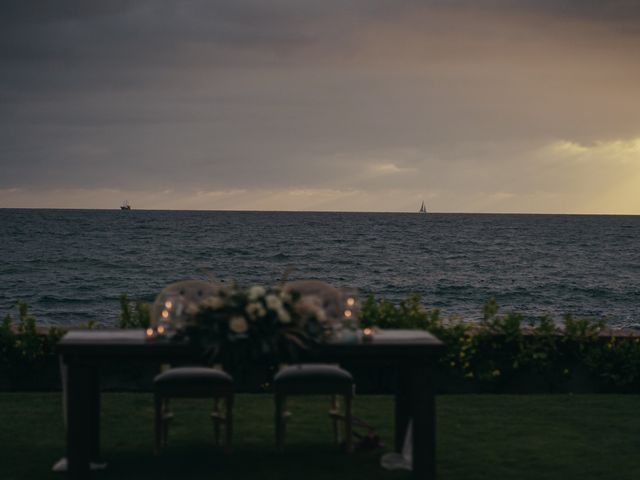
(160, 329)
(351, 301)
(348, 313)
(367, 334)
(149, 332)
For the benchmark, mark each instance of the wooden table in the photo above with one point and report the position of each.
(412, 352)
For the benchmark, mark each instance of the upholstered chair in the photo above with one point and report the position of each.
(191, 381)
(316, 379)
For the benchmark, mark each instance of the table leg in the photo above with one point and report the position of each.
(83, 416)
(94, 418)
(424, 423)
(402, 405)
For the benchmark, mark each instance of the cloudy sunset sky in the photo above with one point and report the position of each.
(362, 105)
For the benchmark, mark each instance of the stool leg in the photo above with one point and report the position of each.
(165, 421)
(228, 423)
(280, 420)
(157, 424)
(216, 420)
(348, 424)
(335, 413)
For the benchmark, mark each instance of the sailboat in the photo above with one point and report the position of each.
(423, 209)
(125, 206)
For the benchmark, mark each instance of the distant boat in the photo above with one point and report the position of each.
(125, 206)
(423, 209)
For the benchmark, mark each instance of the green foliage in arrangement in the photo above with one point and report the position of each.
(501, 348)
(133, 314)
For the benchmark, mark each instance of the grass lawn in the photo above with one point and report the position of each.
(479, 437)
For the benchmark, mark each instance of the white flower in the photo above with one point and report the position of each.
(283, 315)
(251, 309)
(213, 303)
(273, 302)
(255, 310)
(256, 292)
(238, 324)
(286, 297)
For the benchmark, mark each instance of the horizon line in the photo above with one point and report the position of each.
(318, 211)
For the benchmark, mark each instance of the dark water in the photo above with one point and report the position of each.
(72, 265)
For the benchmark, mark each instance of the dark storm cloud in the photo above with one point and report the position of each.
(146, 25)
(255, 94)
(47, 10)
(145, 33)
(152, 30)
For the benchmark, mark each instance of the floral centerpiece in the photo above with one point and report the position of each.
(231, 324)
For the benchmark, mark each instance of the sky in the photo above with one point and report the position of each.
(526, 106)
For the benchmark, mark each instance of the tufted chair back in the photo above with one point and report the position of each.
(191, 293)
(328, 296)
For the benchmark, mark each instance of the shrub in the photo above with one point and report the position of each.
(496, 351)
(22, 348)
(133, 314)
(502, 347)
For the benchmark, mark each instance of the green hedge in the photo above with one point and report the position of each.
(497, 351)
(23, 349)
(502, 347)
(26, 350)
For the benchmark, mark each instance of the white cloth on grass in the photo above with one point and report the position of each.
(404, 460)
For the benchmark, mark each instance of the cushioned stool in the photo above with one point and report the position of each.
(193, 382)
(314, 379)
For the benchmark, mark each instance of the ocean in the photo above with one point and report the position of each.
(71, 266)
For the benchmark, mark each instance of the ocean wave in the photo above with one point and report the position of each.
(65, 300)
(77, 263)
